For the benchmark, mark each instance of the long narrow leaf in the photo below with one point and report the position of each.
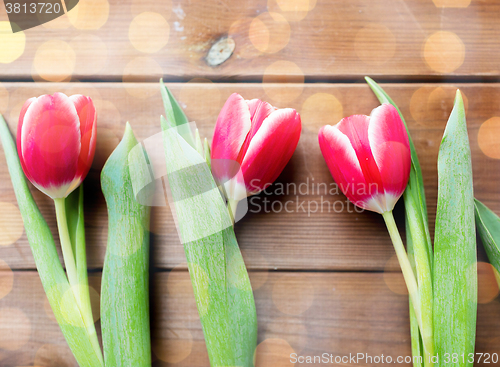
(125, 276)
(176, 115)
(220, 281)
(488, 226)
(55, 283)
(455, 271)
(416, 182)
(76, 228)
(418, 242)
(417, 347)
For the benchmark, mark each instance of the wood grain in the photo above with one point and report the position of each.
(298, 240)
(333, 40)
(305, 313)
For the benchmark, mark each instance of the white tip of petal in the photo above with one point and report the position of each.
(381, 203)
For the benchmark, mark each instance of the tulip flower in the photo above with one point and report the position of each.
(70, 303)
(258, 138)
(56, 138)
(369, 158)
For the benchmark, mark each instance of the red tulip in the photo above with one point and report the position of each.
(56, 138)
(260, 138)
(369, 157)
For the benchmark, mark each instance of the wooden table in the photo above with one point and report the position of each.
(324, 281)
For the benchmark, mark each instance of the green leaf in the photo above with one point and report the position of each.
(125, 276)
(220, 281)
(488, 226)
(81, 340)
(416, 182)
(76, 228)
(455, 268)
(417, 347)
(418, 240)
(175, 115)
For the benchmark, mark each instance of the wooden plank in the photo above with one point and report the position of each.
(324, 39)
(304, 313)
(297, 240)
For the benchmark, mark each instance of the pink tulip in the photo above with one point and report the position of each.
(261, 140)
(369, 157)
(56, 138)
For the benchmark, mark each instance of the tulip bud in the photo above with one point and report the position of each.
(369, 157)
(256, 137)
(56, 138)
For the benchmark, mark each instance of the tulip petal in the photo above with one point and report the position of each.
(50, 143)
(344, 166)
(270, 149)
(88, 117)
(259, 111)
(356, 129)
(390, 147)
(231, 129)
(19, 133)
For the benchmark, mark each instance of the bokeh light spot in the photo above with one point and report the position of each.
(54, 355)
(89, 14)
(291, 328)
(429, 105)
(444, 52)
(54, 61)
(451, 3)
(175, 347)
(11, 44)
(487, 282)
(6, 279)
(441, 100)
(292, 10)
(239, 31)
(283, 82)
(273, 352)
(15, 328)
(321, 109)
(375, 44)
(269, 32)
(200, 102)
(149, 32)
(11, 224)
(67, 304)
(135, 71)
(296, 5)
(487, 137)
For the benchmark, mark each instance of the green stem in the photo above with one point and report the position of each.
(408, 275)
(423, 271)
(51, 272)
(67, 249)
